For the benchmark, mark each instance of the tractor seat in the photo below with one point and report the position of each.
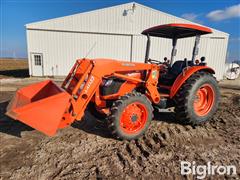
(176, 68)
(169, 78)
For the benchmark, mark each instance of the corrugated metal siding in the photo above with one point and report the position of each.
(61, 49)
(216, 53)
(63, 40)
(213, 49)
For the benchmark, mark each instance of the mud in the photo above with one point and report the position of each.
(91, 153)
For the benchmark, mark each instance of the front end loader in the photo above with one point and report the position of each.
(125, 93)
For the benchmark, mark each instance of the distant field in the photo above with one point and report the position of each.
(11, 64)
(13, 68)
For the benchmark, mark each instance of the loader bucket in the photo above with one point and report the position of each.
(40, 106)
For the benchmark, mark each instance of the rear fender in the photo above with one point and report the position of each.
(185, 75)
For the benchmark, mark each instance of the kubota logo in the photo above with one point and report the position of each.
(91, 80)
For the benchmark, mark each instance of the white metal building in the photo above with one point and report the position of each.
(114, 32)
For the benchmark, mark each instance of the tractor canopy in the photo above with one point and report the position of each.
(176, 31)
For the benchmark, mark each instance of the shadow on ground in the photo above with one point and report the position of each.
(89, 124)
(17, 73)
(94, 125)
(10, 126)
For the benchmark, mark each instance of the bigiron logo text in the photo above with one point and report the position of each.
(201, 171)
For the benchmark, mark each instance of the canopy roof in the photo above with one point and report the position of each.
(177, 30)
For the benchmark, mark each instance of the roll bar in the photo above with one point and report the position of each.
(195, 48)
(147, 48)
(174, 50)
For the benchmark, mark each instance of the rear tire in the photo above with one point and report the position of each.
(198, 99)
(130, 116)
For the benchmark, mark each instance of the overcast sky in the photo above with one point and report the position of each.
(223, 15)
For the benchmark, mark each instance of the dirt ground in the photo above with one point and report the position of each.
(78, 153)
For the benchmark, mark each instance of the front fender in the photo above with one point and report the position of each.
(185, 75)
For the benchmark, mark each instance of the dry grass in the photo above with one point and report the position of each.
(13, 68)
(13, 64)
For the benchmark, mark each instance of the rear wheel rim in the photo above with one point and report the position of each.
(133, 118)
(204, 100)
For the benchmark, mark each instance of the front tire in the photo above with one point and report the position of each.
(198, 99)
(130, 116)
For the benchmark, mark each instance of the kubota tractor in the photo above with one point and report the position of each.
(125, 92)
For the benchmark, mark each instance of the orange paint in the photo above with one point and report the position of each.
(47, 107)
(185, 75)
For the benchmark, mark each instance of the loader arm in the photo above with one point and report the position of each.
(47, 107)
(85, 78)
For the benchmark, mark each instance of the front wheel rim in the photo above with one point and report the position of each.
(204, 100)
(133, 118)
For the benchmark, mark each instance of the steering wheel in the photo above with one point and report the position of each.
(153, 61)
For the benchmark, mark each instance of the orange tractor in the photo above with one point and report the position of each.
(125, 92)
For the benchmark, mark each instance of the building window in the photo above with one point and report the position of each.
(37, 60)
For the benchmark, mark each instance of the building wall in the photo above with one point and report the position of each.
(61, 49)
(214, 49)
(113, 20)
(111, 33)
